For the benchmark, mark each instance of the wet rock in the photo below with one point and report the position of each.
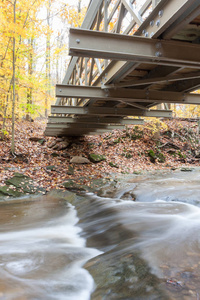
(8, 191)
(128, 196)
(187, 169)
(71, 185)
(95, 158)
(187, 275)
(24, 184)
(123, 276)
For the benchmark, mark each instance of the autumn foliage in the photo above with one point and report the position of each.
(162, 145)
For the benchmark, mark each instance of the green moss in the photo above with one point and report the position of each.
(161, 158)
(117, 141)
(95, 158)
(113, 165)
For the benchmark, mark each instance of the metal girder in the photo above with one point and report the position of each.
(186, 85)
(90, 126)
(165, 15)
(73, 132)
(109, 111)
(121, 47)
(132, 11)
(96, 120)
(185, 18)
(87, 23)
(123, 94)
(165, 79)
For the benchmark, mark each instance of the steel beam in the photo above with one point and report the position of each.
(72, 132)
(123, 94)
(87, 23)
(165, 15)
(122, 47)
(109, 111)
(187, 85)
(165, 79)
(96, 120)
(90, 126)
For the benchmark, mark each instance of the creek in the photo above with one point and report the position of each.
(139, 238)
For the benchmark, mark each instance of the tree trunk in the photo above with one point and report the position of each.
(13, 100)
(48, 60)
(30, 72)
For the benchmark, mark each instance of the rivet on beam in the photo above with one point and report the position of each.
(158, 54)
(160, 14)
(158, 45)
(158, 23)
(78, 41)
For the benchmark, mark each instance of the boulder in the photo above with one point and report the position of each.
(79, 160)
(52, 144)
(63, 145)
(54, 154)
(95, 158)
(24, 184)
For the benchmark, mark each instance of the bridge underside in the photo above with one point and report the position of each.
(126, 63)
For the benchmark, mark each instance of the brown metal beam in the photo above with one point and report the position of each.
(164, 79)
(87, 23)
(123, 47)
(186, 85)
(96, 120)
(109, 111)
(124, 94)
(90, 126)
(165, 15)
(72, 132)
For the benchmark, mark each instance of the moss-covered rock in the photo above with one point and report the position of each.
(152, 156)
(161, 157)
(9, 191)
(113, 165)
(156, 156)
(24, 184)
(70, 170)
(95, 158)
(187, 169)
(51, 168)
(71, 185)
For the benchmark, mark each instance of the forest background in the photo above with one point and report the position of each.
(33, 58)
(33, 55)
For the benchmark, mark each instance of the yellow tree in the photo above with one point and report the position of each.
(20, 25)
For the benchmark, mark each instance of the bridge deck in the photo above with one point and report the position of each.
(125, 62)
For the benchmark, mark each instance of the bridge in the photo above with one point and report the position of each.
(126, 62)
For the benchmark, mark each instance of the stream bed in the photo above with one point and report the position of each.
(139, 238)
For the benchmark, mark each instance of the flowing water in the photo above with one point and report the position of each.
(141, 243)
